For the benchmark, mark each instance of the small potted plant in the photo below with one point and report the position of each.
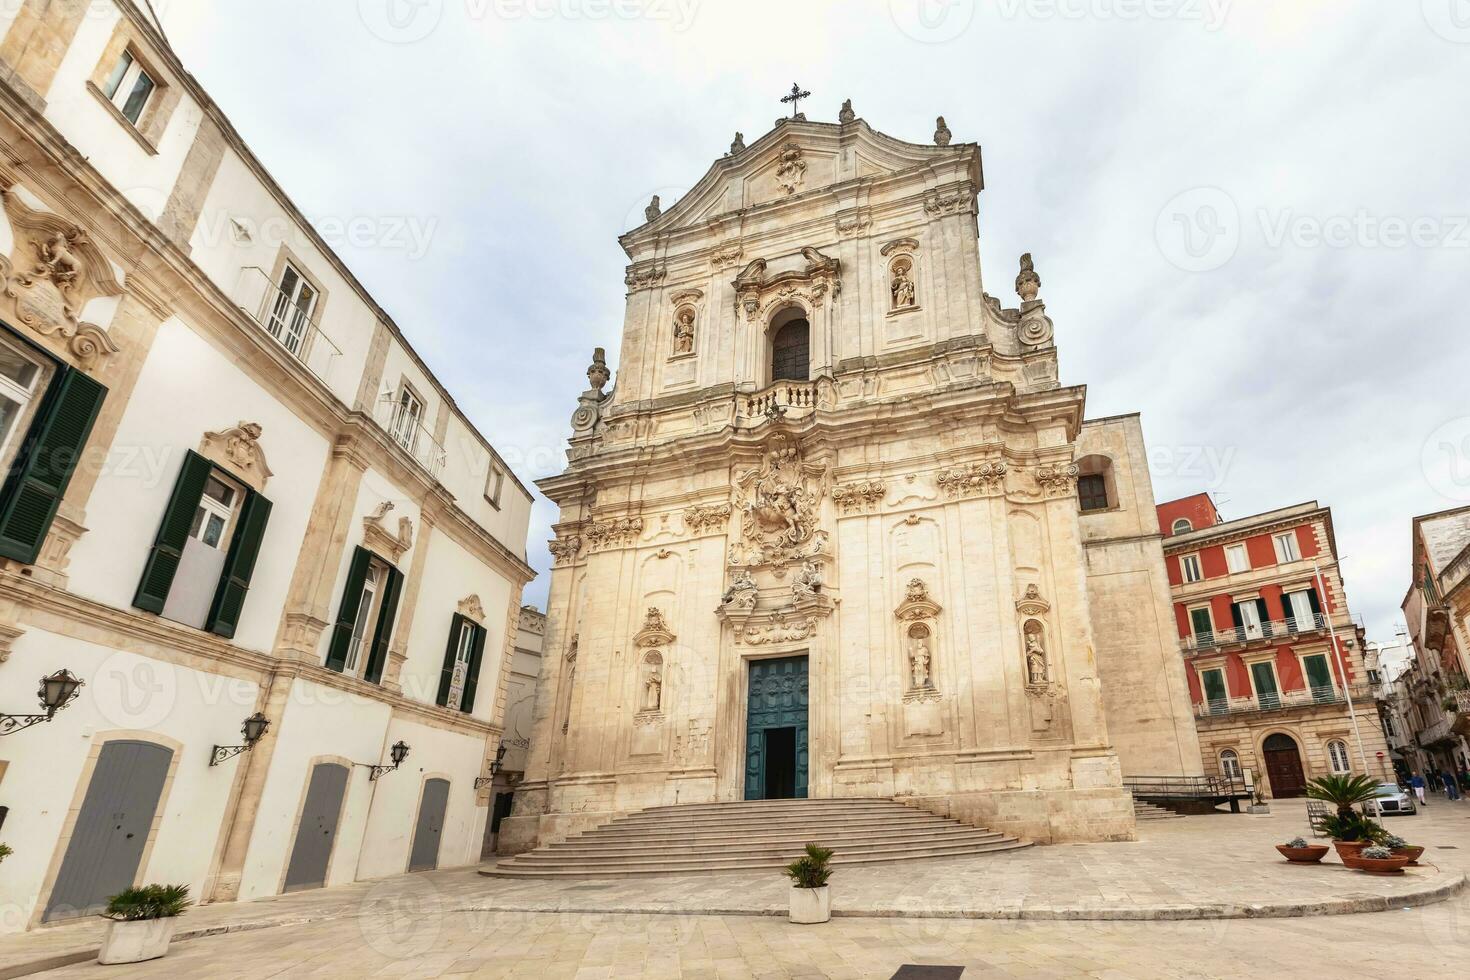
(1258, 802)
(811, 900)
(1350, 830)
(1298, 851)
(1352, 833)
(1403, 848)
(142, 922)
(1377, 860)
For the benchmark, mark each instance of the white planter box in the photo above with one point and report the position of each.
(811, 905)
(134, 942)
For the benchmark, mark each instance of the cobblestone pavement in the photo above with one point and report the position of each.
(460, 923)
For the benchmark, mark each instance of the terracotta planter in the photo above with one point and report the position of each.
(1412, 853)
(811, 905)
(1377, 866)
(1310, 854)
(136, 941)
(1349, 848)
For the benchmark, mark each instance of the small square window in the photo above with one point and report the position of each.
(1286, 549)
(129, 87)
(494, 483)
(1092, 491)
(1189, 565)
(1236, 559)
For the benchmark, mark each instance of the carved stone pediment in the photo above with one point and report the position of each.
(655, 631)
(811, 277)
(1031, 602)
(53, 271)
(469, 607)
(376, 537)
(917, 603)
(238, 450)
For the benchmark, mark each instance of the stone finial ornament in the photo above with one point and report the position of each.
(737, 145)
(653, 210)
(845, 115)
(942, 134)
(1028, 283)
(597, 373)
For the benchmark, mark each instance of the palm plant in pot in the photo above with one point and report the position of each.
(1350, 830)
(811, 901)
(143, 921)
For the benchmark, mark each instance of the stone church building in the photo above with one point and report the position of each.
(838, 530)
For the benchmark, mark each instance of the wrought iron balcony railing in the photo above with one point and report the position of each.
(1282, 700)
(404, 428)
(286, 322)
(1279, 629)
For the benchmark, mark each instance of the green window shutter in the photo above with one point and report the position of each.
(347, 609)
(173, 531)
(234, 582)
(472, 678)
(446, 675)
(46, 462)
(387, 612)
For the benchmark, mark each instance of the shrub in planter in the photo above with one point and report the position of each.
(142, 922)
(1403, 848)
(1376, 859)
(1353, 832)
(1298, 851)
(811, 901)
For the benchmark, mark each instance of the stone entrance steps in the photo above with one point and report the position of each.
(767, 834)
(1149, 811)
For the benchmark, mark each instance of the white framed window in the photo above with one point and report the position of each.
(1182, 526)
(1250, 619)
(407, 411)
(464, 648)
(292, 310)
(1299, 608)
(1189, 568)
(1337, 756)
(1236, 559)
(214, 517)
(21, 380)
(367, 617)
(1286, 549)
(129, 87)
(494, 483)
(1230, 764)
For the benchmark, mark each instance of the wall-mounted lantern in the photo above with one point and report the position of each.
(398, 752)
(56, 692)
(482, 781)
(253, 730)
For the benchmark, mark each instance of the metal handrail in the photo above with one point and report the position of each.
(293, 328)
(411, 435)
(1187, 787)
(1275, 629)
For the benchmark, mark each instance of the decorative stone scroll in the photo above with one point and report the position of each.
(756, 292)
(1033, 327)
(703, 518)
(644, 277)
(238, 450)
(777, 631)
(378, 538)
(1056, 479)
(655, 631)
(973, 478)
(859, 496)
(791, 170)
(726, 255)
(615, 532)
(960, 201)
(51, 275)
(469, 607)
(564, 550)
(854, 225)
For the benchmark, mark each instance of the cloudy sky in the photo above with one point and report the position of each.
(1252, 220)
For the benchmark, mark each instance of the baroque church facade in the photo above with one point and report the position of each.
(824, 538)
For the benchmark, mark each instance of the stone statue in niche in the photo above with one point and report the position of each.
(919, 658)
(653, 689)
(1036, 665)
(684, 332)
(902, 287)
(808, 581)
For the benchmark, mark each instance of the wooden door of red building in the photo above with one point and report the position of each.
(1284, 766)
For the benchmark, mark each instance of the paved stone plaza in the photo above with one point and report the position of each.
(1248, 912)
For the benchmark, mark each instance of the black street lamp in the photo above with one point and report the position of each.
(253, 730)
(482, 781)
(55, 693)
(397, 752)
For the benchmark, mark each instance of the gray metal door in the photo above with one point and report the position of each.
(318, 830)
(425, 853)
(111, 831)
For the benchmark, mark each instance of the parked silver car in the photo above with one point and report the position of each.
(1393, 800)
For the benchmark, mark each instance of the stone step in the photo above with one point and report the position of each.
(748, 835)
(517, 867)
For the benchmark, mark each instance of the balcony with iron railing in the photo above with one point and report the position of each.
(1242, 636)
(1283, 701)
(293, 328)
(403, 426)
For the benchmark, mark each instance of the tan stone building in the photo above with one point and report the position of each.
(1257, 602)
(823, 537)
(1437, 610)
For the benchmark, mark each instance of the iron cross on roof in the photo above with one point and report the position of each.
(795, 98)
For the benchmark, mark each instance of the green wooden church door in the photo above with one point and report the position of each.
(776, 730)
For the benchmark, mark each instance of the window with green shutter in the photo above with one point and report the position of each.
(46, 461)
(173, 531)
(365, 617)
(459, 677)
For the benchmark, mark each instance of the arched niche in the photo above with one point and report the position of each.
(790, 344)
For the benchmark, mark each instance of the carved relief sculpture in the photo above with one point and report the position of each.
(378, 538)
(1057, 479)
(919, 658)
(684, 331)
(851, 496)
(791, 171)
(705, 517)
(901, 288)
(742, 594)
(617, 531)
(973, 478)
(238, 450)
(653, 683)
(778, 506)
(1036, 667)
(808, 581)
(564, 550)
